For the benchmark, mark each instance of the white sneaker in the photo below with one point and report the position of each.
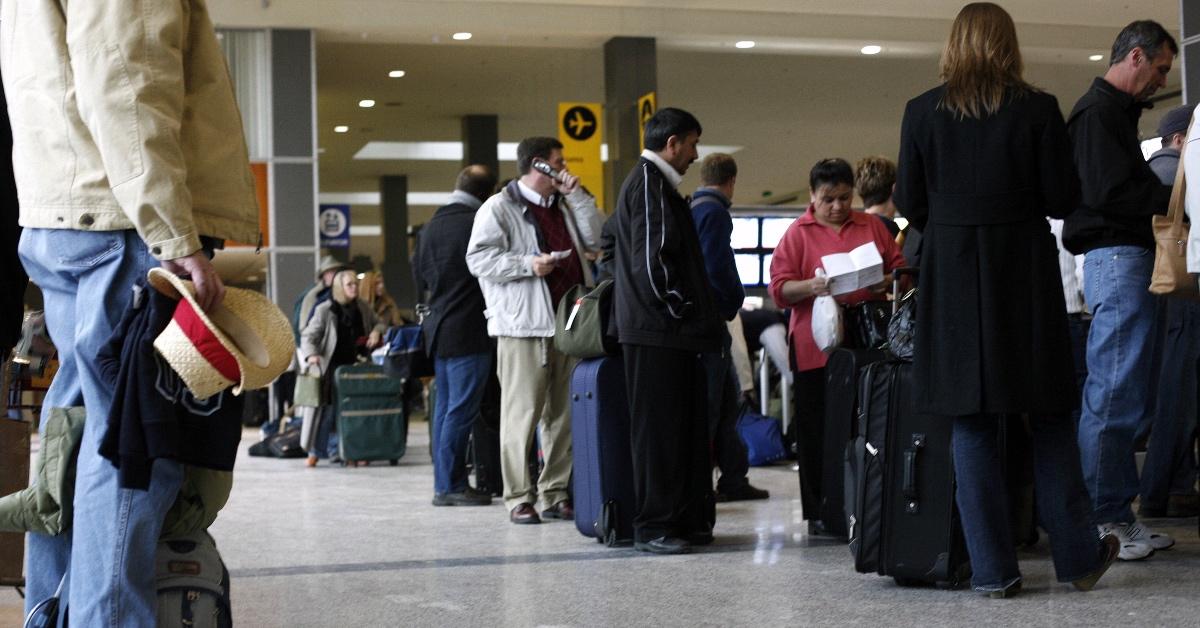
(1131, 549)
(1138, 531)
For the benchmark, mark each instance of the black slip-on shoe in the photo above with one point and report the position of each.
(664, 545)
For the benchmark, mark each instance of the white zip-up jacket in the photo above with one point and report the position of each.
(500, 253)
(123, 117)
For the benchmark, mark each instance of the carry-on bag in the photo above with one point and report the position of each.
(371, 420)
(14, 456)
(193, 583)
(902, 519)
(405, 356)
(841, 412)
(600, 435)
(763, 437)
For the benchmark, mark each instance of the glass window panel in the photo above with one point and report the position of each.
(749, 268)
(745, 233)
(773, 229)
(766, 268)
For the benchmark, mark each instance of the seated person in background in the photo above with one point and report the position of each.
(829, 226)
(874, 178)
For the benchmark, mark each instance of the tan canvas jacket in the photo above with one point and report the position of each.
(123, 117)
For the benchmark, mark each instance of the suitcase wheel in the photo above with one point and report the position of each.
(907, 582)
(394, 462)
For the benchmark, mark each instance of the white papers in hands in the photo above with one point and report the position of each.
(559, 256)
(858, 269)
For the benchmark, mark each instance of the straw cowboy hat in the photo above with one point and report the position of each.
(246, 341)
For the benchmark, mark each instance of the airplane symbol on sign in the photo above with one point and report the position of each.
(578, 124)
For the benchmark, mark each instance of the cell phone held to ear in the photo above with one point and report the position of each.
(546, 169)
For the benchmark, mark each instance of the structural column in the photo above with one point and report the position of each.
(630, 71)
(480, 135)
(397, 269)
(1189, 27)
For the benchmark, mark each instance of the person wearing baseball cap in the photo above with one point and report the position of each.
(1173, 131)
(1168, 470)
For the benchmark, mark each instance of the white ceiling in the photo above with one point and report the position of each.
(803, 93)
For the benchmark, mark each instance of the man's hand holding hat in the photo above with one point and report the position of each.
(210, 290)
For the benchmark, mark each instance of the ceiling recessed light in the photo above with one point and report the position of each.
(744, 44)
(871, 49)
(341, 128)
(396, 73)
(366, 103)
(461, 36)
(1096, 58)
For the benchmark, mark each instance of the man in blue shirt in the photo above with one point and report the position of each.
(710, 209)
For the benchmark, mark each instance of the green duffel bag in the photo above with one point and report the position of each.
(581, 323)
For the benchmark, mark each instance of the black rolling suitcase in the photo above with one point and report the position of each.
(600, 435)
(902, 518)
(841, 410)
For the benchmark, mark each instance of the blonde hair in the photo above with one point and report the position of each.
(366, 287)
(981, 61)
(339, 294)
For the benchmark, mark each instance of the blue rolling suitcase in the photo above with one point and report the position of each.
(604, 498)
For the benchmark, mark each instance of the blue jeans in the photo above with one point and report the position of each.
(460, 384)
(86, 278)
(1170, 466)
(1062, 501)
(1120, 349)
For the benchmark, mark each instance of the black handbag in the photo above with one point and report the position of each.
(866, 324)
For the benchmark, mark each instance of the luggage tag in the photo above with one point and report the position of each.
(574, 311)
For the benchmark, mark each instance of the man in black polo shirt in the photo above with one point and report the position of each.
(1111, 229)
(455, 334)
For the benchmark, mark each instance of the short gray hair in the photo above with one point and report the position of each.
(1148, 35)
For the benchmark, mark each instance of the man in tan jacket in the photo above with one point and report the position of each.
(129, 153)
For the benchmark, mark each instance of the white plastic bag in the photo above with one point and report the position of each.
(826, 321)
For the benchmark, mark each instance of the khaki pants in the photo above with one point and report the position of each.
(535, 381)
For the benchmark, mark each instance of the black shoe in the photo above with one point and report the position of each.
(745, 492)
(468, 497)
(664, 545)
(816, 527)
(561, 510)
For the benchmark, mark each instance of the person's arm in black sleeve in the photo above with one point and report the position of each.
(1114, 179)
(1058, 184)
(654, 236)
(911, 195)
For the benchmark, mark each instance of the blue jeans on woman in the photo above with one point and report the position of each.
(1063, 504)
(1120, 349)
(86, 278)
(460, 384)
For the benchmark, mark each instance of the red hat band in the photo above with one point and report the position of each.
(206, 342)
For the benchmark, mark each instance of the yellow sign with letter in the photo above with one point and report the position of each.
(580, 133)
(646, 106)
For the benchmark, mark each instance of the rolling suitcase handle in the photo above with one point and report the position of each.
(897, 274)
(913, 505)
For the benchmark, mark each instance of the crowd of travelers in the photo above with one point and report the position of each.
(1016, 314)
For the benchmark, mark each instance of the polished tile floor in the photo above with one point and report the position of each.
(363, 547)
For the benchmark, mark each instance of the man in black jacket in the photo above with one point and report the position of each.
(455, 334)
(1111, 228)
(665, 318)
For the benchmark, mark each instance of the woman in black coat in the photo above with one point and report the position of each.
(984, 158)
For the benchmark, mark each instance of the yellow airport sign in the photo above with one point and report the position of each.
(646, 106)
(580, 133)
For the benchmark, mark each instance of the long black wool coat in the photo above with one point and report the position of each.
(991, 321)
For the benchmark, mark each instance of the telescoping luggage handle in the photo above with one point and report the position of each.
(897, 274)
(912, 500)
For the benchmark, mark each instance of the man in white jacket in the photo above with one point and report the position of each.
(528, 247)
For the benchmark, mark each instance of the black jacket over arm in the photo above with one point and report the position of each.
(991, 322)
(12, 296)
(455, 325)
(662, 295)
(1120, 191)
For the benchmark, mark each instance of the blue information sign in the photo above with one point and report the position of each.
(334, 224)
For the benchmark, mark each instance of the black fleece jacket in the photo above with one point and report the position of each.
(1119, 190)
(662, 297)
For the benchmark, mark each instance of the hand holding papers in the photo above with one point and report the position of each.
(858, 269)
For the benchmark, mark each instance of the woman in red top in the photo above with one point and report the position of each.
(829, 226)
